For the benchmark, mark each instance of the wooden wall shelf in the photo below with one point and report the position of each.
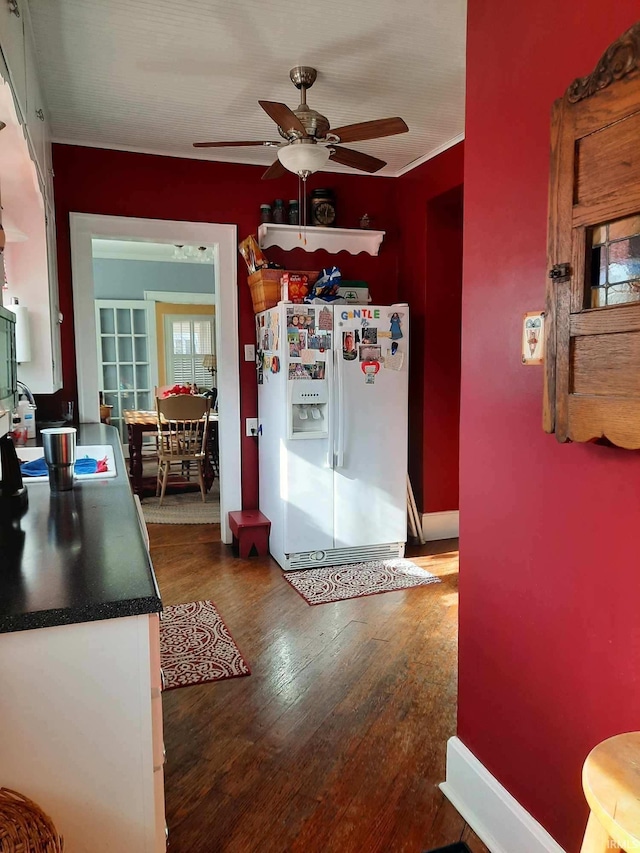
(334, 240)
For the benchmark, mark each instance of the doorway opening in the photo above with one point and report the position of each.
(157, 300)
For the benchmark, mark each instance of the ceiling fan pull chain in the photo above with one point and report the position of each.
(300, 213)
(302, 206)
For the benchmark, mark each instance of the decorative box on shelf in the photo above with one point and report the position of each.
(313, 237)
(265, 286)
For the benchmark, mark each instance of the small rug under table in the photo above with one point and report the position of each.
(196, 646)
(184, 508)
(337, 583)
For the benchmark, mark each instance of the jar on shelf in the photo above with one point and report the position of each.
(265, 213)
(294, 212)
(279, 213)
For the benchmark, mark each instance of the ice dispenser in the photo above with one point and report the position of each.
(308, 409)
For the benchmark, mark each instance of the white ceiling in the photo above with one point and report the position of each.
(157, 75)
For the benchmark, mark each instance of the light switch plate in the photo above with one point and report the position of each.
(249, 352)
(251, 428)
(533, 337)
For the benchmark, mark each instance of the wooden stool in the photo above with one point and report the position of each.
(611, 783)
(250, 529)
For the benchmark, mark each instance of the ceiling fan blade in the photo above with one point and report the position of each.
(283, 116)
(356, 159)
(275, 170)
(231, 144)
(370, 129)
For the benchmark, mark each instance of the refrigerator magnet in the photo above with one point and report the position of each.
(349, 351)
(325, 320)
(293, 341)
(370, 353)
(395, 320)
(370, 368)
(370, 335)
(267, 340)
(394, 360)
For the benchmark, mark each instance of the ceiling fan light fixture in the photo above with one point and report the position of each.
(304, 159)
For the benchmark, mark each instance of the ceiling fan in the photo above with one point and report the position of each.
(309, 141)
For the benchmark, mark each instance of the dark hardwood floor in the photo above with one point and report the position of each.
(336, 741)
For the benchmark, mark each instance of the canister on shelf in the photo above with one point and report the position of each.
(294, 212)
(265, 213)
(279, 213)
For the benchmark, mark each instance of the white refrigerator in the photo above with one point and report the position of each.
(332, 414)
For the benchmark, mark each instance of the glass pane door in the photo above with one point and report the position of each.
(126, 370)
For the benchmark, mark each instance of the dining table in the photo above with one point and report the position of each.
(139, 422)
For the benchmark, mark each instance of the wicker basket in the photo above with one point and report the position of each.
(265, 287)
(24, 827)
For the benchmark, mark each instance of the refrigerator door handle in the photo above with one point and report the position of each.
(339, 452)
(331, 418)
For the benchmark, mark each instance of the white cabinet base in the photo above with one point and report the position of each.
(77, 731)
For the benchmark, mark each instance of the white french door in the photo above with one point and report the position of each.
(127, 369)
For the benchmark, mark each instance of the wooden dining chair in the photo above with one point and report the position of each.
(182, 436)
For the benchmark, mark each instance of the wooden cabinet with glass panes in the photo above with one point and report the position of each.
(592, 348)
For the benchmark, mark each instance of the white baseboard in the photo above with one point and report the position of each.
(440, 525)
(494, 815)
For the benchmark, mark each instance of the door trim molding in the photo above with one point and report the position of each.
(495, 816)
(83, 227)
(180, 298)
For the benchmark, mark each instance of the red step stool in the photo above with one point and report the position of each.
(250, 530)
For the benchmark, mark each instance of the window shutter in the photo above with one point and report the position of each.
(192, 337)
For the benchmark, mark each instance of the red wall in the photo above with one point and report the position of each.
(91, 180)
(549, 580)
(429, 205)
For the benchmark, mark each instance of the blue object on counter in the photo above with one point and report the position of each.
(38, 467)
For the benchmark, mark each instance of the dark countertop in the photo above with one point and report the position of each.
(77, 556)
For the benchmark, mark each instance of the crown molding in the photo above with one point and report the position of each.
(198, 154)
(424, 159)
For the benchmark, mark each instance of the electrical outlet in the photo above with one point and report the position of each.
(249, 352)
(251, 426)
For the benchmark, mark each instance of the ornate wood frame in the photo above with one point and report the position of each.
(619, 60)
(619, 64)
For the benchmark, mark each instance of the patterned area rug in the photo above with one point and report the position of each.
(185, 508)
(321, 586)
(196, 646)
